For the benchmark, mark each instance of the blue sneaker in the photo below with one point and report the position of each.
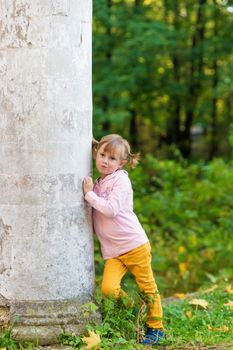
(153, 337)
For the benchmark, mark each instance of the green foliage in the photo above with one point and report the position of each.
(6, 341)
(231, 137)
(9, 343)
(160, 68)
(187, 211)
(118, 329)
(71, 340)
(121, 327)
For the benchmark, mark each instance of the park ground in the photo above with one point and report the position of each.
(196, 321)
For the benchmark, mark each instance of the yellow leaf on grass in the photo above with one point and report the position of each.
(211, 289)
(3, 349)
(229, 289)
(92, 340)
(180, 295)
(189, 314)
(199, 303)
(229, 304)
(218, 329)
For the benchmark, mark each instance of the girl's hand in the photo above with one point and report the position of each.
(87, 184)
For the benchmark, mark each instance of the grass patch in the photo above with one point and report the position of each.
(187, 326)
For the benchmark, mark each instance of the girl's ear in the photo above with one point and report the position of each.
(123, 162)
(94, 153)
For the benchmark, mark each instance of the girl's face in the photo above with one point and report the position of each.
(107, 163)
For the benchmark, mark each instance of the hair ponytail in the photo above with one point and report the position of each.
(133, 159)
(95, 146)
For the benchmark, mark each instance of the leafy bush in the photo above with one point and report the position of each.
(187, 211)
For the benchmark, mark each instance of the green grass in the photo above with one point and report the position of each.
(211, 326)
(187, 327)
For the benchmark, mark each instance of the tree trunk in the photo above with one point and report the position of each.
(174, 123)
(46, 247)
(214, 140)
(105, 99)
(196, 67)
(214, 126)
(133, 123)
(133, 129)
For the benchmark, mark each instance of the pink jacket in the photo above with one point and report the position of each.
(115, 223)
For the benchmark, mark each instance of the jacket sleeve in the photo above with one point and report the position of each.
(110, 207)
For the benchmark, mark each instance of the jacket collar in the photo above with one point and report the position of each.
(110, 176)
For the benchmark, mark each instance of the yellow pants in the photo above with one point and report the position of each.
(138, 262)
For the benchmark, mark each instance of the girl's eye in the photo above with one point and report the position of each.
(112, 158)
(102, 154)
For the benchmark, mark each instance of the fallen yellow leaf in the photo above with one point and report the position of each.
(92, 340)
(229, 289)
(3, 349)
(219, 329)
(199, 303)
(229, 304)
(180, 295)
(189, 314)
(209, 290)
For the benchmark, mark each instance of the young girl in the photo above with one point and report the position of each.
(124, 244)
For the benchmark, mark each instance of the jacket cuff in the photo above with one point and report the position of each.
(90, 196)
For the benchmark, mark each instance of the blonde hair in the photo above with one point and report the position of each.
(115, 143)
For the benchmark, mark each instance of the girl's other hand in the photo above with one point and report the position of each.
(87, 184)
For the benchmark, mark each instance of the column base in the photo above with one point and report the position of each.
(42, 322)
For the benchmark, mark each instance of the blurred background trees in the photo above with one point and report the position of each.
(163, 74)
(163, 78)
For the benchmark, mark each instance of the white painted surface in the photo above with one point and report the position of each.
(46, 248)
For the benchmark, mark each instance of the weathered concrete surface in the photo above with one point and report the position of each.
(47, 320)
(46, 248)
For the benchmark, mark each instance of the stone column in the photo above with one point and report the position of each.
(46, 247)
